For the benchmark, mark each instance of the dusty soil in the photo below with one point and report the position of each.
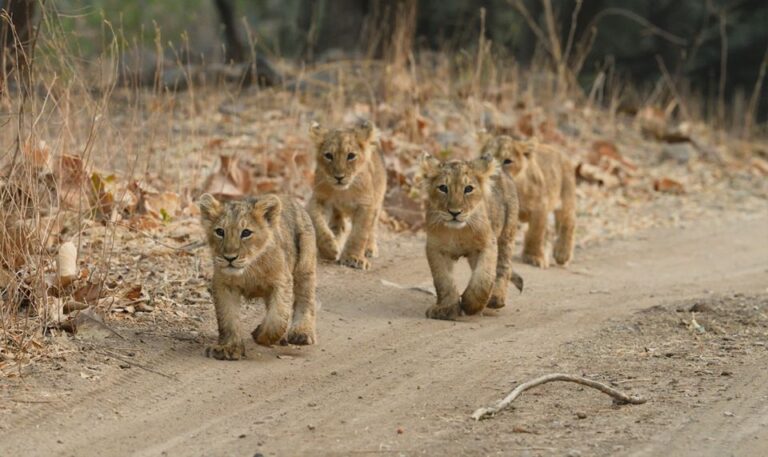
(385, 380)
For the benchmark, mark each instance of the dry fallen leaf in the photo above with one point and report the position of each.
(71, 180)
(668, 186)
(231, 179)
(596, 175)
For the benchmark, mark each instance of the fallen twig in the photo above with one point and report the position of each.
(619, 397)
(138, 365)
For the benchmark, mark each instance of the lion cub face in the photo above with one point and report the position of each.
(238, 232)
(513, 156)
(341, 153)
(455, 189)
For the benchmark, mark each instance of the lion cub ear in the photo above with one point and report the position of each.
(429, 166)
(484, 138)
(484, 167)
(210, 208)
(527, 148)
(317, 133)
(364, 132)
(267, 208)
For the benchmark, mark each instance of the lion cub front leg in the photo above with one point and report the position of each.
(478, 291)
(327, 246)
(230, 345)
(535, 238)
(441, 266)
(362, 229)
(275, 323)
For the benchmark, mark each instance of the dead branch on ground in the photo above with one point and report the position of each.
(619, 397)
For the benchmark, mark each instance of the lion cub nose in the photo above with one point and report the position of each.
(339, 178)
(454, 213)
(230, 258)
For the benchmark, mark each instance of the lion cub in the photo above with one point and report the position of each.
(261, 247)
(545, 182)
(471, 212)
(350, 182)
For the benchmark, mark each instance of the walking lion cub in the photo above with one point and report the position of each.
(545, 182)
(350, 182)
(261, 247)
(471, 212)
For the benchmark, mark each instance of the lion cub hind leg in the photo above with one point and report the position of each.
(565, 220)
(504, 271)
(478, 292)
(372, 248)
(327, 246)
(275, 323)
(535, 238)
(302, 330)
(448, 300)
(362, 227)
(230, 345)
(338, 224)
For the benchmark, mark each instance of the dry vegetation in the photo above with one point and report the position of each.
(115, 169)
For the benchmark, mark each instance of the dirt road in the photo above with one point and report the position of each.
(385, 380)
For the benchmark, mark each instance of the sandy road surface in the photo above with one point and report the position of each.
(385, 380)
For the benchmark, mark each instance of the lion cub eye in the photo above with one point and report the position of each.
(443, 188)
(328, 156)
(246, 234)
(507, 161)
(351, 156)
(527, 154)
(468, 189)
(219, 232)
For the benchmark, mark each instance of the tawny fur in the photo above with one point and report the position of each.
(471, 212)
(350, 182)
(546, 183)
(277, 260)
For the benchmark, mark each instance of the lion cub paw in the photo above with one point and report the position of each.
(264, 337)
(536, 260)
(496, 302)
(300, 337)
(328, 250)
(562, 255)
(355, 262)
(231, 351)
(446, 313)
(372, 251)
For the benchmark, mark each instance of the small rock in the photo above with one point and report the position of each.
(728, 414)
(726, 373)
(681, 153)
(400, 430)
(310, 427)
(581, 415)
(573, 453)
(242, 436)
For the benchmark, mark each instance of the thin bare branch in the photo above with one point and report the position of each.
(572, 31)
(619, 397)
(520, 7)
(672, 38)
(749, 117)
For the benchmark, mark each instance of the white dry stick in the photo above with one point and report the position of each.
(67, 263)
(620, 397)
